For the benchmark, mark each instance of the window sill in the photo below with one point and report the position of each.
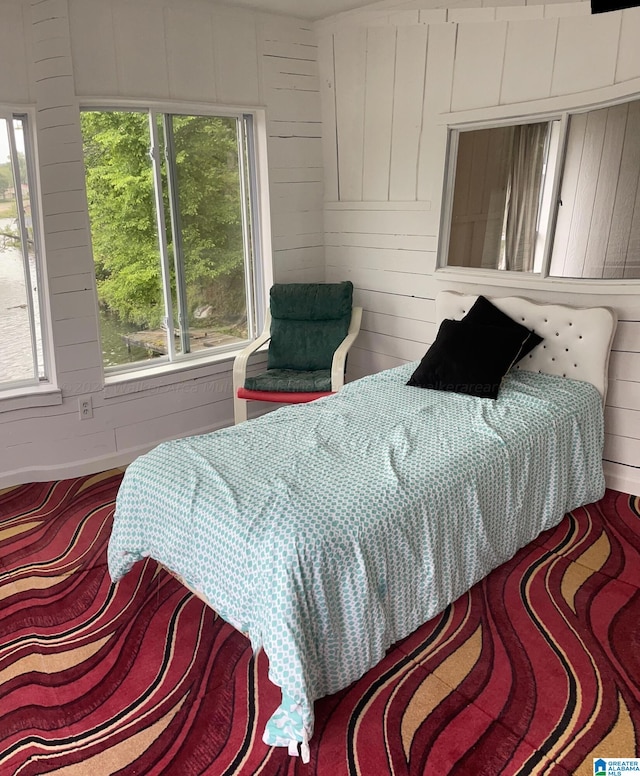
(30, 396)
(152, 378)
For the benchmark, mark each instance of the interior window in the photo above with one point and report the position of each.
(172, 231)
(500, 178)
(21, 355)
(505, 210)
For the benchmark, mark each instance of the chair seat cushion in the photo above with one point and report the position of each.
(290, 380)
(282, 397)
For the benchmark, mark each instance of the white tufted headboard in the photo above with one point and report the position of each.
(577, 340)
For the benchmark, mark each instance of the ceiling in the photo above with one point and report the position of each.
(304, 9)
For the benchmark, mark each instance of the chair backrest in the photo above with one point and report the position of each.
(308, 322)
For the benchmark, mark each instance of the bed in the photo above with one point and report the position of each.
(328, 531)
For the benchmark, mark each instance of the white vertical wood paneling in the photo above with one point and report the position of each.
(236, 55)
(378, 111)
(529, 59)
(477, 72)
(407, 111)
(628, 64)
(189, 36)
(14, 80)
(586, 53)
(350, 56)
(92, 36)
(142, 69)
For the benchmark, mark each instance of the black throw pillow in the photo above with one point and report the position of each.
(485, 313)
(469, 359)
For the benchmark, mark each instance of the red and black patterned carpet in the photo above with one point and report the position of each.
(535, 671)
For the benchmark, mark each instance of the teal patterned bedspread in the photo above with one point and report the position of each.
(329, 531)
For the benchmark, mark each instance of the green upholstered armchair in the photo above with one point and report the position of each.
(309, 327)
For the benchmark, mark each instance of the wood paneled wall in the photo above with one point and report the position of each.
(391, 79)
(55, 54)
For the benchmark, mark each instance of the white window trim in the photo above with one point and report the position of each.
(139, 374)
(501, 116)
(155, 377)
(43, 391)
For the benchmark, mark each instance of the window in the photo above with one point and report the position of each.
(21, 356)
(173, 225)
(557, 197)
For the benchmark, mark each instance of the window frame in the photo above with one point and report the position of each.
(38, 390)
(253, 119)
(501, 277)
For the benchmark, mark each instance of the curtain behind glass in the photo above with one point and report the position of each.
(523, 197)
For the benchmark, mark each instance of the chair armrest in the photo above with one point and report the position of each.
(241, 360)
(340, 356)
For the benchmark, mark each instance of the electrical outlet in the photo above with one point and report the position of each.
(85, 408)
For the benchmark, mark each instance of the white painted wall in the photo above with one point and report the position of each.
(53, 55)
(391, 79)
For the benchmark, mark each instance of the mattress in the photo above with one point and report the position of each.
(328, 531)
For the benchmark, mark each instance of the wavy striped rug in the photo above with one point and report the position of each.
(535, 670)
